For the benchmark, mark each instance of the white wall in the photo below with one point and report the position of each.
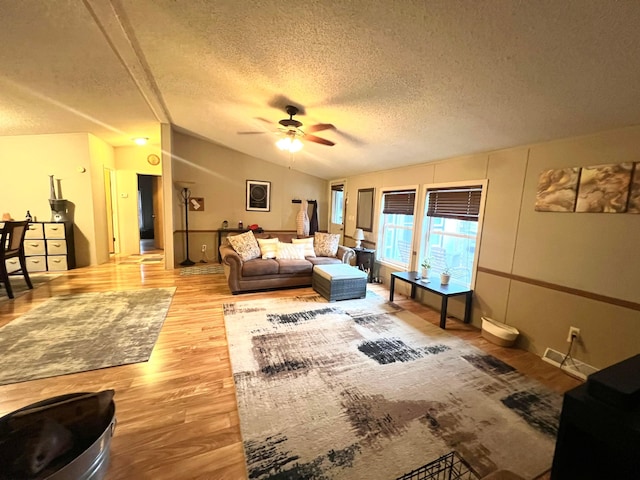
(589, 252)
(220, 175)
(129, 162)
(28, 161)
(101, 156)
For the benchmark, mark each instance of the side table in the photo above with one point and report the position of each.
(365, 260)
(445, 291)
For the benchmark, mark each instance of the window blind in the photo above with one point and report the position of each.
(399, 202)
(337, 188)
(459, 203)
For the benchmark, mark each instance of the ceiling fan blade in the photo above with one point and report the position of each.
(320, 126)
(250, 133)
(313, 138)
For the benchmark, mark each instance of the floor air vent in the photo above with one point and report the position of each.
(572, 366)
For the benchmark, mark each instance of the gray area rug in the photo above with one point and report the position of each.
(361, 389)
(76, 333)
(19, 286)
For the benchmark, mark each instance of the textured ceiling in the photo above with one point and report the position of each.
(403, 81)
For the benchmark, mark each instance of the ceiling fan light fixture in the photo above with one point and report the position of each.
(140, 140)
(289, 144)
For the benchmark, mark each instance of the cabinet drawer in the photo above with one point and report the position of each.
(53, 230)
(56, 247)
(12, 264)
(36, 264)
(34, 231)
(34, 247)
(57, 262)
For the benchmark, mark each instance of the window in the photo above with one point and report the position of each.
(337, 203)
(396, 227)
(451, 230)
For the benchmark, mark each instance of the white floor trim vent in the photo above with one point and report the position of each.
(572, 366)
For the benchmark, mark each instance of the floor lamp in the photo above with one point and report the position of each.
(185, 195)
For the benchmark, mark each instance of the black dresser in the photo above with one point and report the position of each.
(599, 434)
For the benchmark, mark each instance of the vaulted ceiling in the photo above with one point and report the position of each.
(403, 81)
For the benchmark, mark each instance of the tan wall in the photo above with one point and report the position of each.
(594, 253)
(101, 156)
(129, 162)
(27, 161)
(220, 175)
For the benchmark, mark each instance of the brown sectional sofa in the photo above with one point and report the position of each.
(264, 274)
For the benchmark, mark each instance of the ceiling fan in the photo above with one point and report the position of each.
(291, 129)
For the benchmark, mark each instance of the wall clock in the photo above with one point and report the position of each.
(153, 159)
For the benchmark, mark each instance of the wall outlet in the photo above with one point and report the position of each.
(574, 332)
(204, 248)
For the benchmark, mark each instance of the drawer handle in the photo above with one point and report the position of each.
(34, 244)
(53, 228)
(35, 261)
(56, 261)
(56, 244)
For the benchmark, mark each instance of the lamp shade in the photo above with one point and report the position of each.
(358, 235)
(183, 184)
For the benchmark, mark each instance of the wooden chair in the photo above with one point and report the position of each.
(12, 246)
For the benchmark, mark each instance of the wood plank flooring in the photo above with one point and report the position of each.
(177, 415)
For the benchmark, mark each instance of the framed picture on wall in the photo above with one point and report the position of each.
(258, 196)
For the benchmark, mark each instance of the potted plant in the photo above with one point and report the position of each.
(445, 276)
(426, 265)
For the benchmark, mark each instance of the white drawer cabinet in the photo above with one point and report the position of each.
(48, 246)
(36, 264)
(12, 264)
(35, 230)
(56, 247)
(34, 246)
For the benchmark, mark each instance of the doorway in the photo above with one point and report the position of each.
(150, 217)
(108, 191)
(338, 203)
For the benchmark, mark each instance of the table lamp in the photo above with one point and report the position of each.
(358, 236)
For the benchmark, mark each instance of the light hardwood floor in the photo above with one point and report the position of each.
(177, 415)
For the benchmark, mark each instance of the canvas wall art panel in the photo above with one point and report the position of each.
(634, 192)
(604, 188)
(557, 190)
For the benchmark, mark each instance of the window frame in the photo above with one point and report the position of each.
(425, 221)
(382, 227)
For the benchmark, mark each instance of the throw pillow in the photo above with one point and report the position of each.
(308, 245)
(245, 245)
(326, 244)
(268, 247)
(290, 251)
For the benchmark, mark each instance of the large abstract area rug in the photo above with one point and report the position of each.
(76, 333)
(361, 389)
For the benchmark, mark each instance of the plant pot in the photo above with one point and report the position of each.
(444, 278)
(424, 273)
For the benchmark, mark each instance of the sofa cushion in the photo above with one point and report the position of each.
(308, 245)
(245, 245)
(290, 251)
(294, 266)
(268, 247)
(326, 244)
(259, 267)
(323, 260)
